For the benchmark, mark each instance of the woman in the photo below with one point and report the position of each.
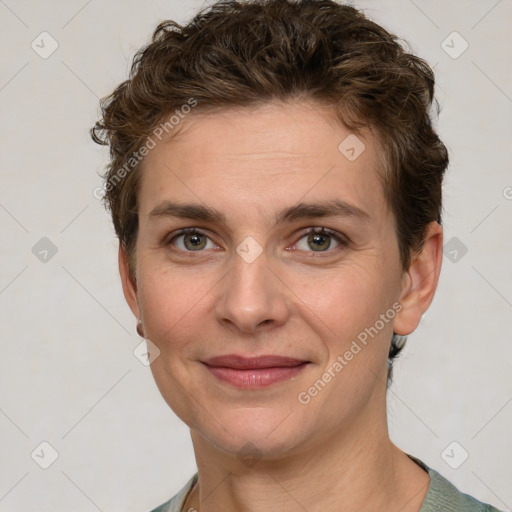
(275, 183)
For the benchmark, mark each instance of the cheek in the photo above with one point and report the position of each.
(355, 336)
(350, 295)
(168, 300)
(353, 307)
(171, 306)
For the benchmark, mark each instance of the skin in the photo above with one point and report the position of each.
(333, 453)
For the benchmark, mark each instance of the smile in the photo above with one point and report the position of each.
(254, 372)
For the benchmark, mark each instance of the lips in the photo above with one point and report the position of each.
(254, 372)
(246, 363)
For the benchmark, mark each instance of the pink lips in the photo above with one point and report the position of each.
(254, 372)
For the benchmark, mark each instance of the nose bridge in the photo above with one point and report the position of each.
(252, 296)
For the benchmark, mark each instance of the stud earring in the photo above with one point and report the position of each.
(140, 331)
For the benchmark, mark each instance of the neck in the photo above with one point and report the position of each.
(354, 469)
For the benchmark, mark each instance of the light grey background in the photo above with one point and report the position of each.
(68, 375)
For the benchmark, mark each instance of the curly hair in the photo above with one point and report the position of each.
(247, 53)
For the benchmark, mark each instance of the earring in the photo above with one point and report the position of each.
(140, 331)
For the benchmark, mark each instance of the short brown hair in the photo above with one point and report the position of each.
(245, 53)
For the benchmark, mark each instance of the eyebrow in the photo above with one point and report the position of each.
(187, 211)
(333, 208)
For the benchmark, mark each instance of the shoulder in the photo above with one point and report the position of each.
(176, 502)
(442, 495)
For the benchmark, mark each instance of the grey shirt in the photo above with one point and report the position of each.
(441, 496)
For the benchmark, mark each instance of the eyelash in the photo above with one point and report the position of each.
(341, 239)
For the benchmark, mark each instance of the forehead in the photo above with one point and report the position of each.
(270, 155)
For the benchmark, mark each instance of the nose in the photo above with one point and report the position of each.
(252, 297)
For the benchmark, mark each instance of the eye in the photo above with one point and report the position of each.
(191, 240)
(319, 240)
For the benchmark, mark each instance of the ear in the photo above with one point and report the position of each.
(420, 281)
(129, 287)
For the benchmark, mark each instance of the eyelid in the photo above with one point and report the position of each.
(341, 238)
(184, 231)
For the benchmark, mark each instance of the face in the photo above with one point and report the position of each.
(259, 237)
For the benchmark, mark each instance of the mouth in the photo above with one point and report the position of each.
(254, 372)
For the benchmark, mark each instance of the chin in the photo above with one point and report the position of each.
(253, 432)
